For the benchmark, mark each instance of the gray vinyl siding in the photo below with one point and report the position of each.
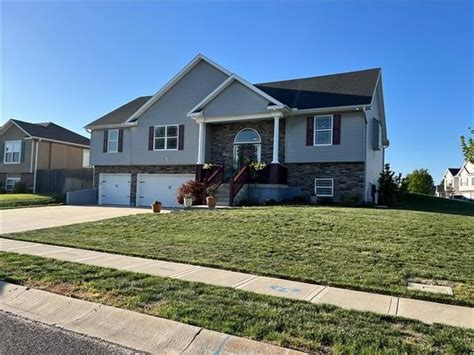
(351, 149)
(172, 108)
(14, 133)
(98, 157)
(236, 99)
(374, 158)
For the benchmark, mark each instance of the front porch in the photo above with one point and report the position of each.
(240, 152)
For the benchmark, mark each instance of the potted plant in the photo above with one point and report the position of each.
(211, 199)
(189, 192)
(188, 200)
(156, 206)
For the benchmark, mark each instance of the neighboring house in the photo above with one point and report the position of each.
(458, 181)
(322, 136)
(450, 183)
(26, 147)
(466, 180)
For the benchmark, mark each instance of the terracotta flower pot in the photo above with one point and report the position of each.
(211, 201)
(156, 207)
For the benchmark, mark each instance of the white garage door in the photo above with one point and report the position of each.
(114, 189)
(161, 187)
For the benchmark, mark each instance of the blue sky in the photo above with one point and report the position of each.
(71, 62)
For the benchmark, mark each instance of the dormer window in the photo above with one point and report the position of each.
(12, 154)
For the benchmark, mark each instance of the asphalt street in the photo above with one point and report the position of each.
(19, 335)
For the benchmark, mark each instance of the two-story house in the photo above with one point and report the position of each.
(466, 180)
(323, 136)
(27, 147)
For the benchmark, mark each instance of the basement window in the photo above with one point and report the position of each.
(324, 187)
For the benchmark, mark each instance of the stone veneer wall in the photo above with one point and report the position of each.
(349, 178)
(222, 141)
(141, 169)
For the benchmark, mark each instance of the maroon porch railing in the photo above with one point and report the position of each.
(216, 178)
(237, 182)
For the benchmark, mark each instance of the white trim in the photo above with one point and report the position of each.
(224, 85)
(249, 142)
(173, 81)
(12, 141)
(165, 138)
(114, 125)
(110, 140)
(31, 155)
(276, 139)
(217, 119)
(324, 187)
(201, 143)
(11, 122)
(59, 142)
(323, 110)
(16, 181)
(36, 165)
(315, 118)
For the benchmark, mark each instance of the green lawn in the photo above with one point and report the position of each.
(289, 323)
(25, 200)
(417, 202)
(368, 249)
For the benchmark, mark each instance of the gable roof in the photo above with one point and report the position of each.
(50, 131)
(224, 85)
(121, 114)
(344, 89)
(200, 57)
(454, 171)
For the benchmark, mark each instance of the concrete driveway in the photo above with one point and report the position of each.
(25, 219)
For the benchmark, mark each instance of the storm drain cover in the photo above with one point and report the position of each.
(430, 288)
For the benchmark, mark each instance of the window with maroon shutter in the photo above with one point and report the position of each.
(323, 130)
(181, 137)
(106, 140)
(120, 140)
(151, 134)
(336, 133)
(310, 130)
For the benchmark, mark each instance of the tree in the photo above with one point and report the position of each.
(389, 186)
(468, 149)
(419, 181)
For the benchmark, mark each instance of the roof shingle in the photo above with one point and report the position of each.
(50, 130)
(121, 114)
(344, 89)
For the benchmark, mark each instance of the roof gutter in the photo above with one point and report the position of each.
(114, 125)
(332, 109)
(56, 141)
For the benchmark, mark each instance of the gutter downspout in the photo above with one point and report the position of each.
(36, 165)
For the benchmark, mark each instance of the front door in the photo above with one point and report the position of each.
(247, 148)
(246, 154)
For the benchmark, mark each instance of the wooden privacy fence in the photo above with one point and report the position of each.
(59, 181)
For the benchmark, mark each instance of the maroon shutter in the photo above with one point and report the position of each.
(151, 134)
(106, 139)
(120, 140)
(181, 137)
(310, 131)
(336, 131)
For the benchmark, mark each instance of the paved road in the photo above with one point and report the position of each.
(19, 335)
(24, 219)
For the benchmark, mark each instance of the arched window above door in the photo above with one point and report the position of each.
(247, 135)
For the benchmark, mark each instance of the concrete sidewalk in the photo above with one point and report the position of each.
(127, 328)
(428, 312)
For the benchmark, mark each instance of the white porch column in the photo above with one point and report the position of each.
(276, 137)
(201, 143)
